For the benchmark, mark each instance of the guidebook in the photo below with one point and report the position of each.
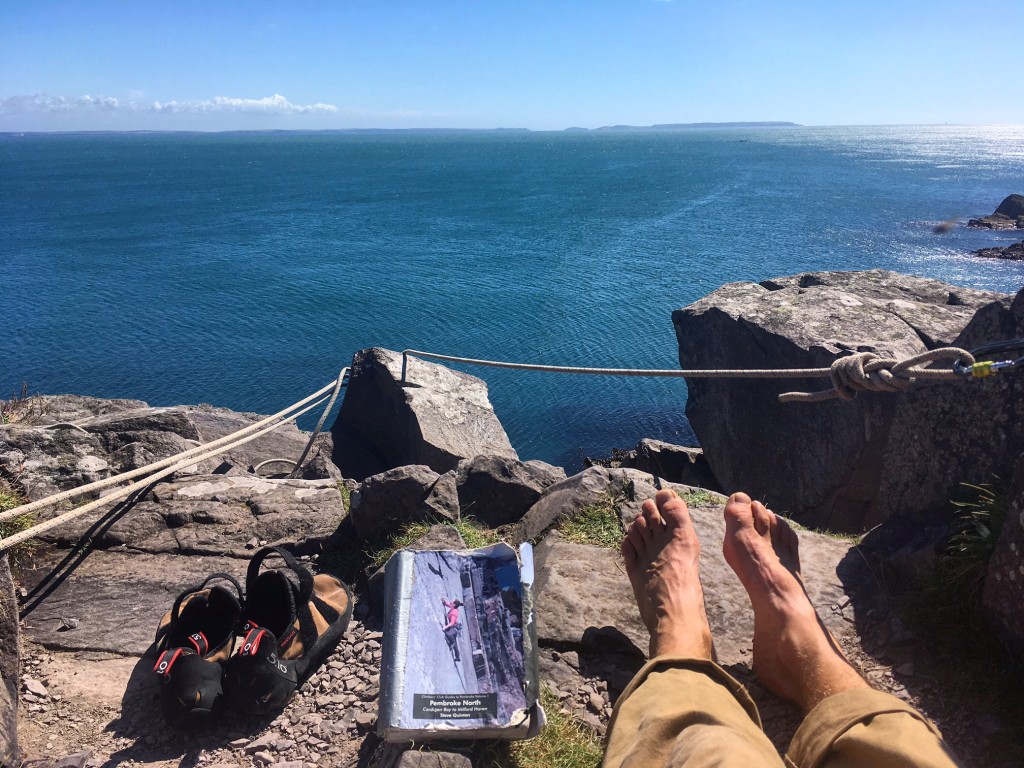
(459, 658)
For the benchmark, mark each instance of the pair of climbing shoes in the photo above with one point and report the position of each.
(286, 626)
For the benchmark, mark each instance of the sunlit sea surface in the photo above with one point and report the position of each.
(244, 270)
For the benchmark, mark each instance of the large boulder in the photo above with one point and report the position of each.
(675, 463)
(385, 502)
(436, 417)
(214, 515)
(1004, 582)
(1008, 215)
(77, 440)
(593, 486)
(846, 465)
(497, 490)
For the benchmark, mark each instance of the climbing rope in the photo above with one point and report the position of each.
(860, 372)
(175, 463)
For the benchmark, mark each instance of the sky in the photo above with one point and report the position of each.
(547, 65)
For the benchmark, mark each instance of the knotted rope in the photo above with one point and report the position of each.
(860, 372)
(868, 372)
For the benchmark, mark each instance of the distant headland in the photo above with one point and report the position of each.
(687, 126)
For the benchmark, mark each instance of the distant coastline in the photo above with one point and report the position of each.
(660, 128)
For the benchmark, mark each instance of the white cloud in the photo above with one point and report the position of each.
(270, 105)
(40, 103)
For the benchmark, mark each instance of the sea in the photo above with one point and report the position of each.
(245, 269)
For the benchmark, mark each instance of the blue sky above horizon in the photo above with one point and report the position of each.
(94, 65)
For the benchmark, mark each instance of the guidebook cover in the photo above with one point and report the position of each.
(459, 655)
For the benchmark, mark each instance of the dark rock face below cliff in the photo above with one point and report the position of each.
(1008, 215)
(1014, 252)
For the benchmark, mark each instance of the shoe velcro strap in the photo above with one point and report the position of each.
(166, 660)
(199, 640)
(251, 643)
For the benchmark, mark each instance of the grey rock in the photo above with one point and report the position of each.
(220, 514)
(34, 687)
(1012, 206)
(10, 666)
(674, 463)
(419, 758)
(497, 490)
(118, 436)
(403, 495)
(127, 594)
(943, 434)
(625, 489)
(77, 760)
(437, 417)
(1008, 215)
(1003, 597)
(264, 741)
(1012, 252)
(834, 450)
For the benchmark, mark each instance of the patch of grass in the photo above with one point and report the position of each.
(979, 522)
(700, 498)
(22, 408)
(563, 743)
(346, 495)
(19, 554)
(596, 523)
(473, 533)
(852, 538)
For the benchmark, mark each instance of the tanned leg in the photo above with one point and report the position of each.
(662, 555)
(794, 656)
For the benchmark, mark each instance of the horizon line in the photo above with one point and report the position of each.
(617, 128)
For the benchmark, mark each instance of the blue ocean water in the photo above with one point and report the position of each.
(244, 270)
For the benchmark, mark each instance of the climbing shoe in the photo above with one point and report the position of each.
(291, 624)
(194, 640)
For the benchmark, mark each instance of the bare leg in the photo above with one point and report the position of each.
(662, 555)
(794, 656)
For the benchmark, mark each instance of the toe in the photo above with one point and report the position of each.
(652, 514)
(737, 512)
(629, 553)
(639, 534)
(762, 518)
(673, 509)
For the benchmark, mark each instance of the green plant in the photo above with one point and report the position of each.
(564, 743)
(976, 529)
(22, 407)
(346, 495)
(10, 499)
(596, 523)
(700, 498)
(473, 533)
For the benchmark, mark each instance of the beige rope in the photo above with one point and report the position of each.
(868, 372)
(864, 371)
(127, 490)
(751, 373)
(115, 479)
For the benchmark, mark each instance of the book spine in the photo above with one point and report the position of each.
(398, 579)
(530, 656)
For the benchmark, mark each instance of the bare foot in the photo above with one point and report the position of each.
(662, 556)
(794, 655)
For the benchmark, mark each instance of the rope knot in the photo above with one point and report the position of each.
(867, 372)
